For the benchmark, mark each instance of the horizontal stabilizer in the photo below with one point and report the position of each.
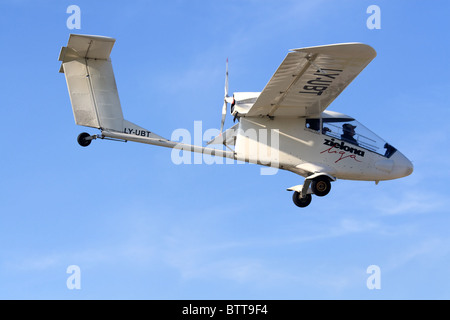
(86, 47)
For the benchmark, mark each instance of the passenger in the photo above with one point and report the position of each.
(349, 132)
(325, 130)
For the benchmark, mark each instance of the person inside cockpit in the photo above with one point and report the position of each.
(349, 132)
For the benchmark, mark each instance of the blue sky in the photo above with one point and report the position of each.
(140, 227)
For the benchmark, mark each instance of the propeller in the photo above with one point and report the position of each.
(226, 99)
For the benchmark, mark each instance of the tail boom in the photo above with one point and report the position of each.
(168, 144)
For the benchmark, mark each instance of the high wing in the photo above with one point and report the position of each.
(309, 79)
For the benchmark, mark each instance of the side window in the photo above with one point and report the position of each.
(351, 131)
(313, 124)
(343, 130)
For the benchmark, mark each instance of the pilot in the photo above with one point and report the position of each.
(349, 132)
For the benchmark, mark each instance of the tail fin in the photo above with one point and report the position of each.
(91, 83)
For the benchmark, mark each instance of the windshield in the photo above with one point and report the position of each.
(353, 132)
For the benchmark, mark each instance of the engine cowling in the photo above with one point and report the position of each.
(242, 102)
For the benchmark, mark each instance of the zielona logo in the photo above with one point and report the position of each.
(344, 147)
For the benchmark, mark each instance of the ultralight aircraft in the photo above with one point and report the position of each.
(305, 138)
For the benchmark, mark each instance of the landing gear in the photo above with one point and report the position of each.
(301, 202)
(321, 186)
(84, 139)
(318, 184)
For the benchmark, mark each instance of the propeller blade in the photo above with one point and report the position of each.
(224, 114)
(226, 81)
(225, 100)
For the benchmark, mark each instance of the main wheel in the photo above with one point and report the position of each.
(301, 202)
(321, 186)
(82, 141)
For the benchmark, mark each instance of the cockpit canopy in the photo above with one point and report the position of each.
(347, 129)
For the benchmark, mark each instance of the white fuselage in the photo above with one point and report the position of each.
(287, 143)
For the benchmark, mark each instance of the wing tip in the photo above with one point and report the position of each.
(347, 48)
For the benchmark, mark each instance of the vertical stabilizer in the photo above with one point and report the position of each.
(92, 86)
(91, 83)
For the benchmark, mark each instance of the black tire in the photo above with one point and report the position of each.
(82, 141)
(301, 202)
(321, 186)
